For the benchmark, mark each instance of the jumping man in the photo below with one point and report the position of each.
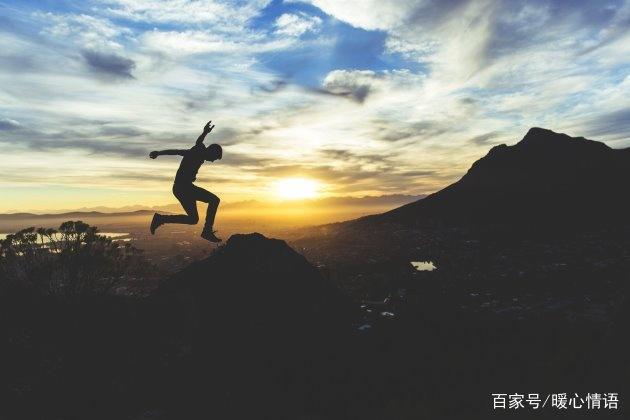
(188, 193)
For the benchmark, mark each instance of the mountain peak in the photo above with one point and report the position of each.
(258, 277)
(539, 131)
(542, 137)
(257, 252)
(255, 238)
(547, 179)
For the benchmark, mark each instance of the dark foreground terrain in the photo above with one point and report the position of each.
(256, 331)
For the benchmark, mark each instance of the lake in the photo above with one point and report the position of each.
(111, 235)
(423, 265)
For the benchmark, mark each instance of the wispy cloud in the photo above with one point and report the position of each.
(221, 13)
(7, 124)
(293, 24)
(109, 64)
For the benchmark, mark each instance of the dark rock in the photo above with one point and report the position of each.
(262, 324)
(547, 180)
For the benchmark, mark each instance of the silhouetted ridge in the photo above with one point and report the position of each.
(253, 266)
(259, 284)
(547, 178)
(255, 310)
(541, 137)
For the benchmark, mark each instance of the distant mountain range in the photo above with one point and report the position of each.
(72, 215)
(545, 179)
(365, 201)
(384, 201)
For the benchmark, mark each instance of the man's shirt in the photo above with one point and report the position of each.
(190, 164)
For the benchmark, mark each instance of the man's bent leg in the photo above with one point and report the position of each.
(213, 204)
(186, 197)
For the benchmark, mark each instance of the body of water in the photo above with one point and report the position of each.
(111, 235)
(423, 265)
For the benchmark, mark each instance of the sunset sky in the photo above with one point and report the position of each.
(343, 98)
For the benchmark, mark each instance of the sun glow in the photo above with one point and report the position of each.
(296, 188)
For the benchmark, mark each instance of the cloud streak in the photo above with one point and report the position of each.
(109, 64)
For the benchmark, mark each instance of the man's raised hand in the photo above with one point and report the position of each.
(206, 130)
(208, 127)
(153, 154)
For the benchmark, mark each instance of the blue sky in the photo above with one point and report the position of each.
(362, 96)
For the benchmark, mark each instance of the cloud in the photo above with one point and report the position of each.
(59, 141)
(291, 24)
(191, 42)
(355, 84)
(272, 87)
(109, 64)
(181, 43)
(85, 31)
(141, 176)
(614, 125)
(91, 137)
(221, 14)
(396, 131)
(462, 40)
(7, 124)
(358, 158)
(486, 138)
(122, 131)
(360, 84)
(367, 14)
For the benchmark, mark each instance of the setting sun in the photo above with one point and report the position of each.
(296, 188)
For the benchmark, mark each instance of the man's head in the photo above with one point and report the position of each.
(213, 152)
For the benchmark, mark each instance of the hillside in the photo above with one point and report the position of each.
(547, 178)
(246, 324)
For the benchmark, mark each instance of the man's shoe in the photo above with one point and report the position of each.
(155, 223)
(209, 235)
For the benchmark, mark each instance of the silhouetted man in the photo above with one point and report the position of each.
(188, 193)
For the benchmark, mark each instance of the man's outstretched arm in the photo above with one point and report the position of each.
(157, 153)
(206, 129)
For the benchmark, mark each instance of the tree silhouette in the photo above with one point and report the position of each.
(73, 261)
